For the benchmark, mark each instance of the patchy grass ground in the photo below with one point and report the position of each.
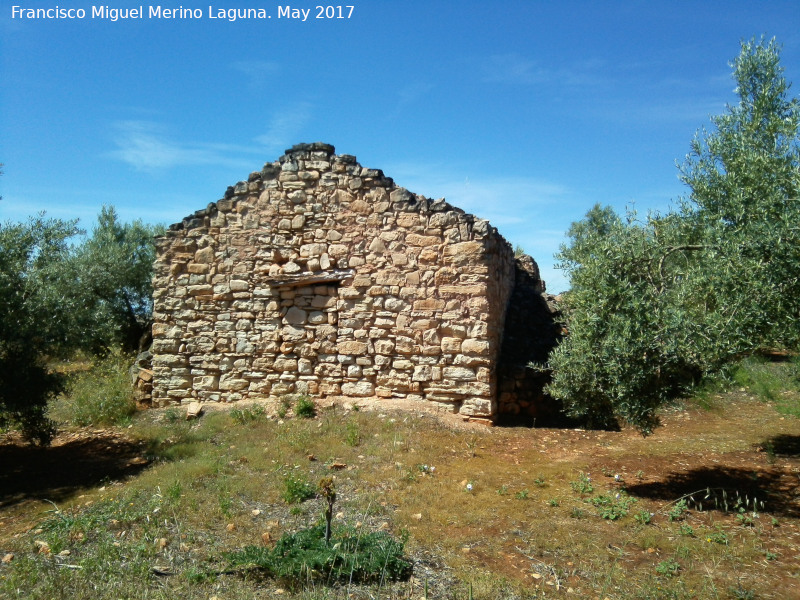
(706, 507)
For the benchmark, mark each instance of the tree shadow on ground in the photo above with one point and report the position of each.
(783, 445)
(716, 487)
(56, 472)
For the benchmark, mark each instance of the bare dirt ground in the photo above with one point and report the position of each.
(712, 456)
(75, 461)
(747, 447)
(747, 450)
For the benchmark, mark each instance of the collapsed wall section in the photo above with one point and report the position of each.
(322, 277)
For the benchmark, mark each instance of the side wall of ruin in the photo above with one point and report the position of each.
(320, 276)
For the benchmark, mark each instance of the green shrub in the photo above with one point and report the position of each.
(582, 485)
(741, 593)
(352, 435)
(297, 489)
(248, 415)
(678, 511)
(284, 406)
(102, 395)
(668, 568)
(718, 536)
(350, 556)
(612, 507)
(305, 407)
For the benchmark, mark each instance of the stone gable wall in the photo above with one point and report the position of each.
(320, 276)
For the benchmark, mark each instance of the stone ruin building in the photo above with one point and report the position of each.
(319, 276)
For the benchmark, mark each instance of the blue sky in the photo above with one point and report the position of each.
(526, 113)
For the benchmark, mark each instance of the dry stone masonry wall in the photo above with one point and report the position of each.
(320, 276)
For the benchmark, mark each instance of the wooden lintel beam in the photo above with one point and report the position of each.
(308, 278)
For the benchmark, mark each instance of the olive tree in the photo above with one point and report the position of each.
(60, 294)
(112, 274)
(658, 303)
(32, 326)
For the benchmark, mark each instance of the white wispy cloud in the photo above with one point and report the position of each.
(531, 212)
(515, 69)
(257, 72)
(502, 200)
(528, 211)
(148, 145)
(84, 204)
(689, 111)
(285, 126)
(409, 95)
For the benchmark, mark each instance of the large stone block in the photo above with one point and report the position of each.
(463, 290)
(285, 365)
(384, 346)
(429, 304)
(422, 373)
(451, 345)
(329, 388)
(390, 277)
(459, 373)
(205, 383)
(231, 383)
(477, 407)
(413, 239)
(352, 347)
(323, 301)
(200, 290)
(296, 316)
(472, 346)
(292, 333)
(404, 345)
(402, 364)
(177, 382)
(463, 253)
(204, 255)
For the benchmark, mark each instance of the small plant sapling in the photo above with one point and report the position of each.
(352, 435)
(328, 491)
(296, 489)
(283, 407)
(668, 568)
(583, 485)
(678, 511)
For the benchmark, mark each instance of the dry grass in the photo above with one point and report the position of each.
(507, 511)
